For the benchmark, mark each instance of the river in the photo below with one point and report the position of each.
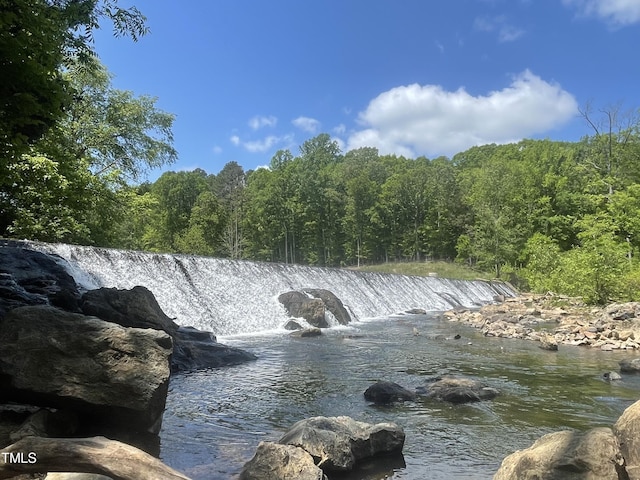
(216, 418)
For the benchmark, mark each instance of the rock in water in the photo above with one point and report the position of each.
(627, 429)
(274, 461)
(332, 303)
(459, 390)
(313, 310)
(337, 443)
(630, 366)
(116, 376)
(383, 393)
(193, 349)
(566, 455)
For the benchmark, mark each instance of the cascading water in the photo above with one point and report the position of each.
(231, 297)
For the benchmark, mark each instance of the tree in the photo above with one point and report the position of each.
(229, 187)
(37, 39)
(106, 138)
(204, 235)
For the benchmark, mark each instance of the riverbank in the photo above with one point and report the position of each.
(556, 320)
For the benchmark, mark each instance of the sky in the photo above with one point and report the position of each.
(246, 78)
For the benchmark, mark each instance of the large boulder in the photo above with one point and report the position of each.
(28, 277)
(313, 304)
(337, 443)
(109, 375)
(192, 349)
(300, 305)
(331, 303)
(627, 429)
(567, 455)
(458, 390)
(274, 461)
(630, 365)
(383, 393)
(136, 307)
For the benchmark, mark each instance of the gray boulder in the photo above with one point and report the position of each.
(458, 390)
(337, 443)
(297, 304)
(383, 393)
(312, 304)
(567, 455)
(109, 375)
(28, 277)
(627, 429)
(331, 303)
(630, 365)
(274, 461)
(193, 349)
(306, 333)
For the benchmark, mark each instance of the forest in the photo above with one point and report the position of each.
(547, 215)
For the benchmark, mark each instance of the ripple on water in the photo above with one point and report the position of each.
(215, 419)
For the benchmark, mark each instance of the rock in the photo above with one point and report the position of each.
(312, 304)
(47, 423)
(337, 443)
(193, 349)
(75, 476)
(332, 303)
(383, 393)
(548, 342)
(273, 461)
(611, 376)
(306, 332)
(297, 304)
(566, 455)
(91, 455)
(109, 375)
(28, 277)
(416, 311)
(459, 390)
(630, 365)
(136, 307)
(293, 324)
(627, 429)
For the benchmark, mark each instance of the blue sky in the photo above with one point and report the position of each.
(246, 78)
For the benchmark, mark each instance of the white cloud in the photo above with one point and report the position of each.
(217, 149)
(506, 31)
(260, 121)
(427, 120)
(307, 124)
(614, 12)
(265, 144)
(235, 140)
(340, 129)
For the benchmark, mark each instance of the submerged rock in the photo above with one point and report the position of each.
(281, 462)
(458, 390)
(306, 333)
(611, 376)
(382, 393)
(337, 443)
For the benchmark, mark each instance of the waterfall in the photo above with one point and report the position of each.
(231, 297)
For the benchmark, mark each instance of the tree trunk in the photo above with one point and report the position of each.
(86, 455)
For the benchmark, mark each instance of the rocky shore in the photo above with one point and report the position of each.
(554, 320)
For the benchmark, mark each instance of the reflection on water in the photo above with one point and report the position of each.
(215, 419)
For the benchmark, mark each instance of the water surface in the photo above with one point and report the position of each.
(216, 418)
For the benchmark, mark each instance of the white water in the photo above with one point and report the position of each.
(230, 297)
